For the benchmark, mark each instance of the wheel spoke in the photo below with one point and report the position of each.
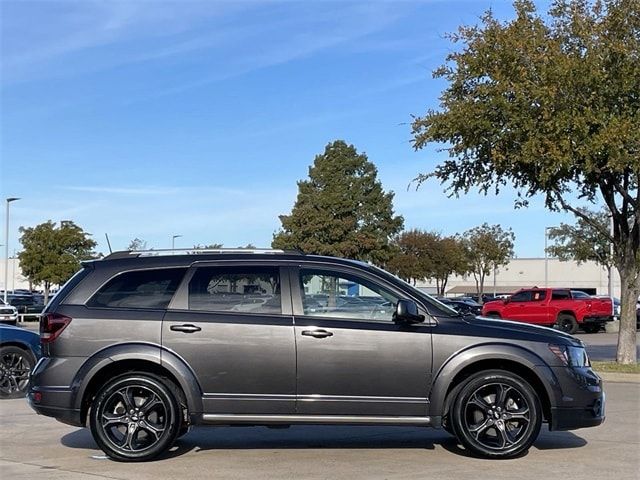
(149, 403)
(111, 419)
(132, 429)
(519, 414)
(480, 427)
(127, 397)
(156, 430)
(501, 395)
(504, 436)
(480, 402)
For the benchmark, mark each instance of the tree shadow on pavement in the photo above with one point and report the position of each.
(201, 439)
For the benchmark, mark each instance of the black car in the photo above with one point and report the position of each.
(463, 306)
(139, 346)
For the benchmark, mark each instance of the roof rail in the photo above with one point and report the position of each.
(193, 251)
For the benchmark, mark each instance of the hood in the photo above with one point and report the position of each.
(507, 329)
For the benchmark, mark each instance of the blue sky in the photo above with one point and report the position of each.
(148, 119)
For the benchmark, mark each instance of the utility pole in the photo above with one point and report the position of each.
(6, 247)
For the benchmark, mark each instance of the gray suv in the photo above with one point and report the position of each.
(140, 346)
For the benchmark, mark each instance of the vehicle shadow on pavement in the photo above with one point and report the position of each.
(201, 439)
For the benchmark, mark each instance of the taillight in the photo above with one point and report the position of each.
(51, 326)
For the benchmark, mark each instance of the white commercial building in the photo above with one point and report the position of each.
(529, 272)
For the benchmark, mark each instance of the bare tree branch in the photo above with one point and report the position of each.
(582, 215)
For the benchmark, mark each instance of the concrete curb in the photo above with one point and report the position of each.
(619, 377)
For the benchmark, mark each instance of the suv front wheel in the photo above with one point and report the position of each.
(135, 417)
(496, 414)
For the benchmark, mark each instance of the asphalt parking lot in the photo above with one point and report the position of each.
(35, 447)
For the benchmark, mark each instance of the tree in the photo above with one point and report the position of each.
(137, 244)
(582, 242)
(487, 248)
(550, 106)
(51, 255)
(410, 258)
(341, 210)
(448, 257)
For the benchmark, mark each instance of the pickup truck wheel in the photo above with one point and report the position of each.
(497, 414)
(493, 315)
(567, 323)
(135, 417)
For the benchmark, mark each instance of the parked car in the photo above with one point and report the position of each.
(19, 351)
(25, 303)
(567, 309)
(8, 314)
(465, 306)
(139, 348)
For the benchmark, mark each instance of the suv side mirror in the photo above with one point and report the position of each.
(407, 312)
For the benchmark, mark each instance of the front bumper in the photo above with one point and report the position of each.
(583, 400)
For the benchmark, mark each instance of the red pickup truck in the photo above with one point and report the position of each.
(566, 308)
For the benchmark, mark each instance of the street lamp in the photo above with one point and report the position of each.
(173, 241)
(6, 247)
(546, 258)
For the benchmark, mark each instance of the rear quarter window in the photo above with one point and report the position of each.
(139, 289)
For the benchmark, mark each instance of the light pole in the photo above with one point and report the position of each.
(173, 241)
(6, 247)
(546, 258)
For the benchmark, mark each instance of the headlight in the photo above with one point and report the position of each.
(571, 356)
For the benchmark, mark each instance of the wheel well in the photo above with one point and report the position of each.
(21, 346)
(118, 368)
(496, 314)
(567, 312)
(513, 367)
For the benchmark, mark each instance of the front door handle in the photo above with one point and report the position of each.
(188, 328)
(317, 333)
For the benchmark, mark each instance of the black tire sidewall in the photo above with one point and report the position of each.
(570, 319)
(28, 357)
(161, 388)
(471, 385)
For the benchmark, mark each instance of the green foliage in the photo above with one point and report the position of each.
(582, 242)
(137, 244)
(487, 248)
(422, 255)
(341, 210)
(550, 105)
(51, 255)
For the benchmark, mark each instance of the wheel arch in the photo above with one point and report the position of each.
(517, 360)
(120, 359)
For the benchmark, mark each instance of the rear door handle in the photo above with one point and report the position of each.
(317, 333)
(188, 328)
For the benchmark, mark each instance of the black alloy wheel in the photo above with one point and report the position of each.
(136, 417)
(567, 323)
(15, 368)
(496, 414)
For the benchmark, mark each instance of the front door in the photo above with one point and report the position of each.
(352, 358)
(233, 326)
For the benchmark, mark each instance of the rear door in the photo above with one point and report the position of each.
(233, 325)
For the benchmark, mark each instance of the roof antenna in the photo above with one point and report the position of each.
(108, 242)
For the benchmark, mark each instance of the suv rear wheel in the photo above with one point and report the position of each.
(496, 414)
(136, 417)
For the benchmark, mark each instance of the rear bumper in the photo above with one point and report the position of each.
(55, 403)
(597, 320)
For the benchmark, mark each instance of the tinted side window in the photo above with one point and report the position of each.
(340, 295)
(579, 294)
(522, 296)
(236, 289)
(139, 289)
(560, 295)
(538, 295)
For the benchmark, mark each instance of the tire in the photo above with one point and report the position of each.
(494, 315)
(567, 323)
(496, 414)
(135, 417)
(591, 328)
(15, 369)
